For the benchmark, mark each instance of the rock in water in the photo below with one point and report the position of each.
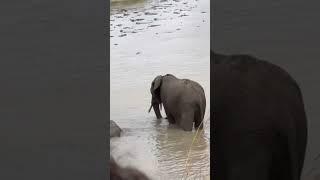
(115, 130)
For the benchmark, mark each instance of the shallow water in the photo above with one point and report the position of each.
(149, 38)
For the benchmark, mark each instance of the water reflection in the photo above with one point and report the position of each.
(162, 151)
(172, 150)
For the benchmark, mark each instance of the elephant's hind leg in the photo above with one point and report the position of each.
(197, 120)
(186, 121)
(247, 155)
(281, 166)
(198, 124)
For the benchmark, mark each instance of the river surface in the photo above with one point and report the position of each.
(150, 38)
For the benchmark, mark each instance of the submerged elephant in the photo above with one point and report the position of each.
(183, 100)
(259, 124)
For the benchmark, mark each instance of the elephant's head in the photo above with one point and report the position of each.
(156, 98)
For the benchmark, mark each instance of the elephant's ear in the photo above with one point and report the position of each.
(156, 83)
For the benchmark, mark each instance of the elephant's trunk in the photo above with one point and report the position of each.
(156, 110)
(155, 103)
(150, 108)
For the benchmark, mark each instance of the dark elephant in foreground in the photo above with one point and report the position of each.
(259, 125)
(183, 100)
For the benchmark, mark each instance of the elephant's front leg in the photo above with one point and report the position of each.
(171, 119)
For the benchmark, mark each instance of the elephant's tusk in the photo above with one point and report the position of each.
(160, 106)
(150, 108)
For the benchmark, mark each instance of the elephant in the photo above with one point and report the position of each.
(183, 101)
(260, 123)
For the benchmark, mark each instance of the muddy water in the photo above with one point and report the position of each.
(149, 38)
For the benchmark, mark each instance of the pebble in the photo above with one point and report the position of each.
(154, 25)
(150, 13)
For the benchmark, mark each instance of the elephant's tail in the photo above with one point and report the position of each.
(296, 147)
(297, 140)
(202, 108)
(204, 104)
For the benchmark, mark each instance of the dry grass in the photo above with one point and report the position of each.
(187, 166)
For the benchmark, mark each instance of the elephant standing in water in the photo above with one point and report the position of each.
(183, 100)
(260, 126)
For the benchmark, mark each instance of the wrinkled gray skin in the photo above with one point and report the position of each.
(115, 130)
(183, 101)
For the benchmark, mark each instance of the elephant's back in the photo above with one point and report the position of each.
(183, 92)
(192, 88)
(253, 73)
(192, 84)
(195, 95)
(243, 63)
(254, 89)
